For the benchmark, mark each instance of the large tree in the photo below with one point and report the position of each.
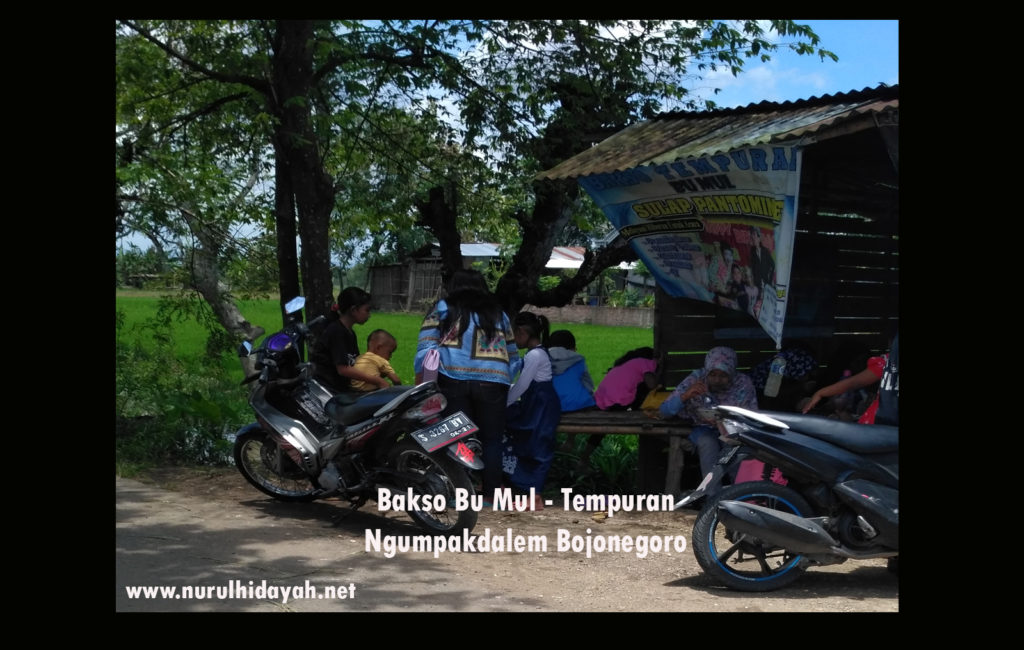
(546, 90)
(287, 82)
(379, 125)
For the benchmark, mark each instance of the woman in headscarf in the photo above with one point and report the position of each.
(720, 380)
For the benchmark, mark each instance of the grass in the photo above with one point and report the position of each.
(600, 345)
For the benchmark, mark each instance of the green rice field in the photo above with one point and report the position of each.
(601, 345)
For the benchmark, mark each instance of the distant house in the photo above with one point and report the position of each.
(416, 283)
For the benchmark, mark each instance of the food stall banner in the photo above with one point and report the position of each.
(717, 228)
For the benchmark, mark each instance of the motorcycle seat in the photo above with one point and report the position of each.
(858, 438)
(350, 407)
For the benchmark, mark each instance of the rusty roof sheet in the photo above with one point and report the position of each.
(688, 134)
(562, 257)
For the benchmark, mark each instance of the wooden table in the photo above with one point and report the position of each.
(637, 423)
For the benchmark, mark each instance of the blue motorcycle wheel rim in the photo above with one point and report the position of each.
(790, 563)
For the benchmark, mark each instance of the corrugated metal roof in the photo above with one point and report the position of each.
(684, 134)
(566, 257)
(479, 250)
(562, 257)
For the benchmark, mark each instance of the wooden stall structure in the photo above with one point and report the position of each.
(411, 286)
(844, 283)
(844, 287)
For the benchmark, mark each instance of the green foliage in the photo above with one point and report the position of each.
(190, 156)
(494, 269)
(612, 468)
(141, 268)
(546, 282)
(641, 269)
(189, 306)
(250, 267)
(169, 409)
(395, 108)
(629, 298)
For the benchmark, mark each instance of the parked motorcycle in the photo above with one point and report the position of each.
(310, 443)
(840, 499)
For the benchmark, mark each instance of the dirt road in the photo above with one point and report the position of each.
(208, 531)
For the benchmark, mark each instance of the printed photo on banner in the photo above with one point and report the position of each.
(717, 228)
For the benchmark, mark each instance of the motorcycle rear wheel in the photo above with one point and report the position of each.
(438, 474)
(269, 469)
(745, 563)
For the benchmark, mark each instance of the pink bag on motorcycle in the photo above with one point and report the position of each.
(753, 470)
(431, 362)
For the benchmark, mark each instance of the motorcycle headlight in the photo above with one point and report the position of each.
(279, 342)
(428, 407)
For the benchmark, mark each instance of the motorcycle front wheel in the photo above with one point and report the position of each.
(269, 469)
(742, 562)
(430, 475)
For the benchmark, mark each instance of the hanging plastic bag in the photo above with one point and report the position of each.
(431, 362)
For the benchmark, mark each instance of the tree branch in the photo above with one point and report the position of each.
(594, 263)
(253, 82)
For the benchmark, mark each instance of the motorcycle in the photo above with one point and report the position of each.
(309, 443)
(837, 498)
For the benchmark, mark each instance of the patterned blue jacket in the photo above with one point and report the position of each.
(472, 358)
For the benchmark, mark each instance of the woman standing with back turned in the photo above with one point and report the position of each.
(474, 338)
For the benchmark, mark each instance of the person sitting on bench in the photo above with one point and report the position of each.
(726, 386)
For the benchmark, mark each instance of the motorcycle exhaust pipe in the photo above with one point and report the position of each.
(777, 528)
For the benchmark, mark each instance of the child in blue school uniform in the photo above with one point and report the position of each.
(533, 412)
(575, 388)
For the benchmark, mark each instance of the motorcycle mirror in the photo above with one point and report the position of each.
(244, 349)
(294, 305)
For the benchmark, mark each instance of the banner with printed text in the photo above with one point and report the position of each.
(718, 228)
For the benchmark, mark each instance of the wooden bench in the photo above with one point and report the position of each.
(650, 432)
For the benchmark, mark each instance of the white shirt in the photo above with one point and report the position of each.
(536, 367)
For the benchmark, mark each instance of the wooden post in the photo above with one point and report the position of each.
(412, 285)
(676, 458)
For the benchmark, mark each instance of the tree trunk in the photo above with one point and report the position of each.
(518, 286)
(206, 279)
(298, 154)
(284, 220)
(551, 212)
(439, 214)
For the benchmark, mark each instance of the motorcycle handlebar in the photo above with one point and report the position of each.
(304, 328)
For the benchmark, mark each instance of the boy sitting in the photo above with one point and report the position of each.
(380, 345)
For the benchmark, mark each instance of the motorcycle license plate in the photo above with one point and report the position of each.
(440, 434)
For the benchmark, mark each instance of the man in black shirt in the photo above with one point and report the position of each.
(336, 348)
(762, 266)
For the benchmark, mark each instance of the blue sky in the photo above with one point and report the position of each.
(868, 52)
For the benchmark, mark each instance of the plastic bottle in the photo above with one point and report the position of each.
(778, 368)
